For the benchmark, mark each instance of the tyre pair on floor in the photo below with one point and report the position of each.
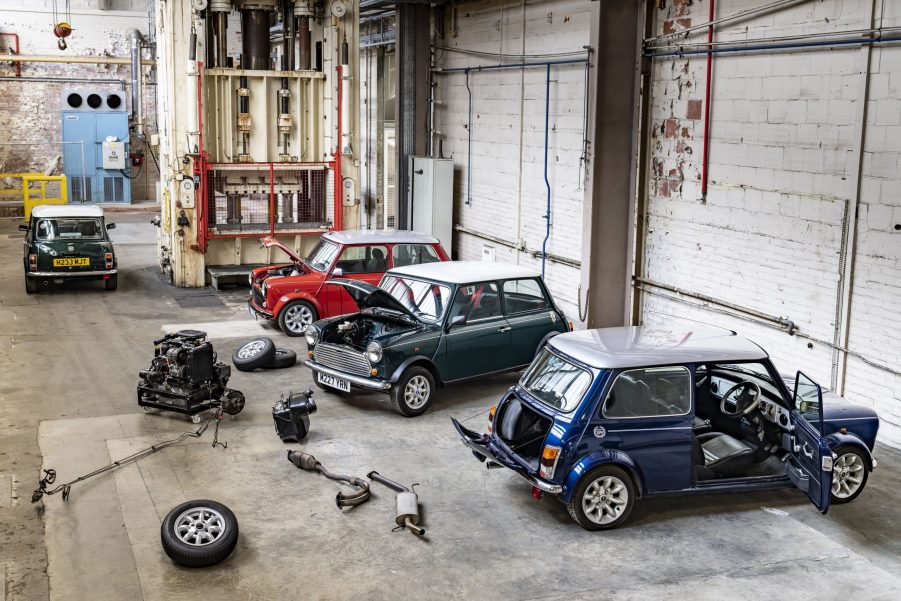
(261, 352)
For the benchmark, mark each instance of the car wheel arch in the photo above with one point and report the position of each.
(598, 458)
(837, 439)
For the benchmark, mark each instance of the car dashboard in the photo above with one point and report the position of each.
(771, 411)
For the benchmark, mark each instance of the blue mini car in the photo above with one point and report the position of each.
(604, 417)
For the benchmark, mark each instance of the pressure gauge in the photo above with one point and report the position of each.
(199, 5)
(338, 9)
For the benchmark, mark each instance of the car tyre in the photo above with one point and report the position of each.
(112, 283)
(413, 393)
(283, 358)
(849, 474)
(253, 354)
(209, 542)
(607, 488)
(31, 286)
(296, 316)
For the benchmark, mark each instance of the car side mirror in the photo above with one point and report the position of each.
(110, 226)
(23, 227)
(456, 320)
(337, 272)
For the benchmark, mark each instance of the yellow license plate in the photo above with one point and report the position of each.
(72, 262)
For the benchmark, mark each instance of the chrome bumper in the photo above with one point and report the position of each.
(542, 485)
(69, 274)
(357, 381)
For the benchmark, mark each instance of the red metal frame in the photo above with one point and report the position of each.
(15, 36)
(202, 167)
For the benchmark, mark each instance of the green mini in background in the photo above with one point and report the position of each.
(64, 242)
(433, 324)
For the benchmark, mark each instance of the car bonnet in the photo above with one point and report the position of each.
(368, 296)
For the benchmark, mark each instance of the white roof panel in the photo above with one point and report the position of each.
(640, 346)
(464, 272)
(376, 236)
(48, 211)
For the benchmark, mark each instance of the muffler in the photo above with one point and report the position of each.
(406, 501)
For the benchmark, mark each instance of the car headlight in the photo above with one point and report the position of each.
(374, 352)
(312, 335)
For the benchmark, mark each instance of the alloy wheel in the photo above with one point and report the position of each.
(847, 475)
(416, 392)
(605, 500)
(251, 349)
(298, 317)
(199, 526)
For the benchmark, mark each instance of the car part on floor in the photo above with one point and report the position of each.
(291, 415)
(199, 533)
(283, 358)
(255, 353)
(185, 377)
(307, 462)
(50, 474)
(407, 503)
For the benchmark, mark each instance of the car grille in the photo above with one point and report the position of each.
(258, 296)
(341, 358)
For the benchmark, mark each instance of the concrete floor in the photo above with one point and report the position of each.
(71, 357)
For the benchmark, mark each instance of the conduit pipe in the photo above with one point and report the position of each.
(118, 82)
(705, 161)
(82, 60)
(751, 12)
(780, 46)
(547, 65)
(137, 104)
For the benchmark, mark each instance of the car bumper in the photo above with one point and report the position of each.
(358, 381)
(256, 311)
(484, 448)
(70, 274)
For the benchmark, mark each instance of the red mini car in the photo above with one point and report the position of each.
(294, 295)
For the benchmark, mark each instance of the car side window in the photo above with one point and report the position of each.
(649, 392)
(413, 254)
(476, 301)
(363, 259)
(521, 296)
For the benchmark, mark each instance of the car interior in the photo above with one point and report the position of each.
(738, 424)
(413, 254)
(521, 296)
(476, 301)
(363, 259)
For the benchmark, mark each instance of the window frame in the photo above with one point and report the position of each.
(394, 245)
(549, 304)
(500, 315)
(691, 393)
(365, 245)
(592, 377)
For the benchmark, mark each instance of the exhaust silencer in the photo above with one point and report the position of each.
(406, 503)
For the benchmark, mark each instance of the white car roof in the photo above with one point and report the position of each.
(646, 346)
(465, 272)
(376, 236)
(48, 211)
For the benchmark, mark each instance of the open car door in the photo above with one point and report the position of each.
(811, 468)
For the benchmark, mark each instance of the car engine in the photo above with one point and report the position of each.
(354, 333)
(185, 377)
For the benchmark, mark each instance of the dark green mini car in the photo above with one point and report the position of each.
(68, 242)
(433, 324)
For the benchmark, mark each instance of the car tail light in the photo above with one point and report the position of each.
(491, 413)
(571, 328)
(32, 262)
(549, 457)
(108, 257)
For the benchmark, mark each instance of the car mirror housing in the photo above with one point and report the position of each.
(110, 226)
(23, 227)
(337, 272)
(456, 320)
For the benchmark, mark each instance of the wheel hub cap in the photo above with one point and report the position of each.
(849, 472)
(251, 349)
(605, 499)
(199, 526)
(416, 392)
(298, 318)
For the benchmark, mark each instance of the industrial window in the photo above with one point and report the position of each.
(521, 296)
(413, 254)
(364, 259)
(649, 392)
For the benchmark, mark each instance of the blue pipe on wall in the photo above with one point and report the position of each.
(547, 110)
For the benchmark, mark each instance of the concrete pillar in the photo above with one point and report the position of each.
(609, 206)
(412, 96)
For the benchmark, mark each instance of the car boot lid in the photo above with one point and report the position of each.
(368, 296)
(270, 242)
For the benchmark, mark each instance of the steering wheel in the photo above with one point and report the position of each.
(738, 408)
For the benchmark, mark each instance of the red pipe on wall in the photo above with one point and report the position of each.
(15, 37)
(705, 165)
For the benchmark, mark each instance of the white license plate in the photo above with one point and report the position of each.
(338, 383)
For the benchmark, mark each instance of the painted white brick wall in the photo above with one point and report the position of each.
(509, 194)
(783, 138)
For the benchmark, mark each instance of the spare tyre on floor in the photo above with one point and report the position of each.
(283, 358)
(253, 354)
(199, 533)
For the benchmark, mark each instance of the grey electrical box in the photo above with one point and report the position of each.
(431, 197)
(113, 155)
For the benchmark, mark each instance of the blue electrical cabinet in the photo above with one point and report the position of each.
(90, 118)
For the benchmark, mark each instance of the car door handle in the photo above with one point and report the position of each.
(504, 329)
(808, 452)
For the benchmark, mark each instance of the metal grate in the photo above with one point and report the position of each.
(342, 358)
(269, 199)
(81, 188)
(113, 189)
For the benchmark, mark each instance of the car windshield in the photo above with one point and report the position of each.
(323, 255)
(426, 300)
(556, 382)
(69, 228)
